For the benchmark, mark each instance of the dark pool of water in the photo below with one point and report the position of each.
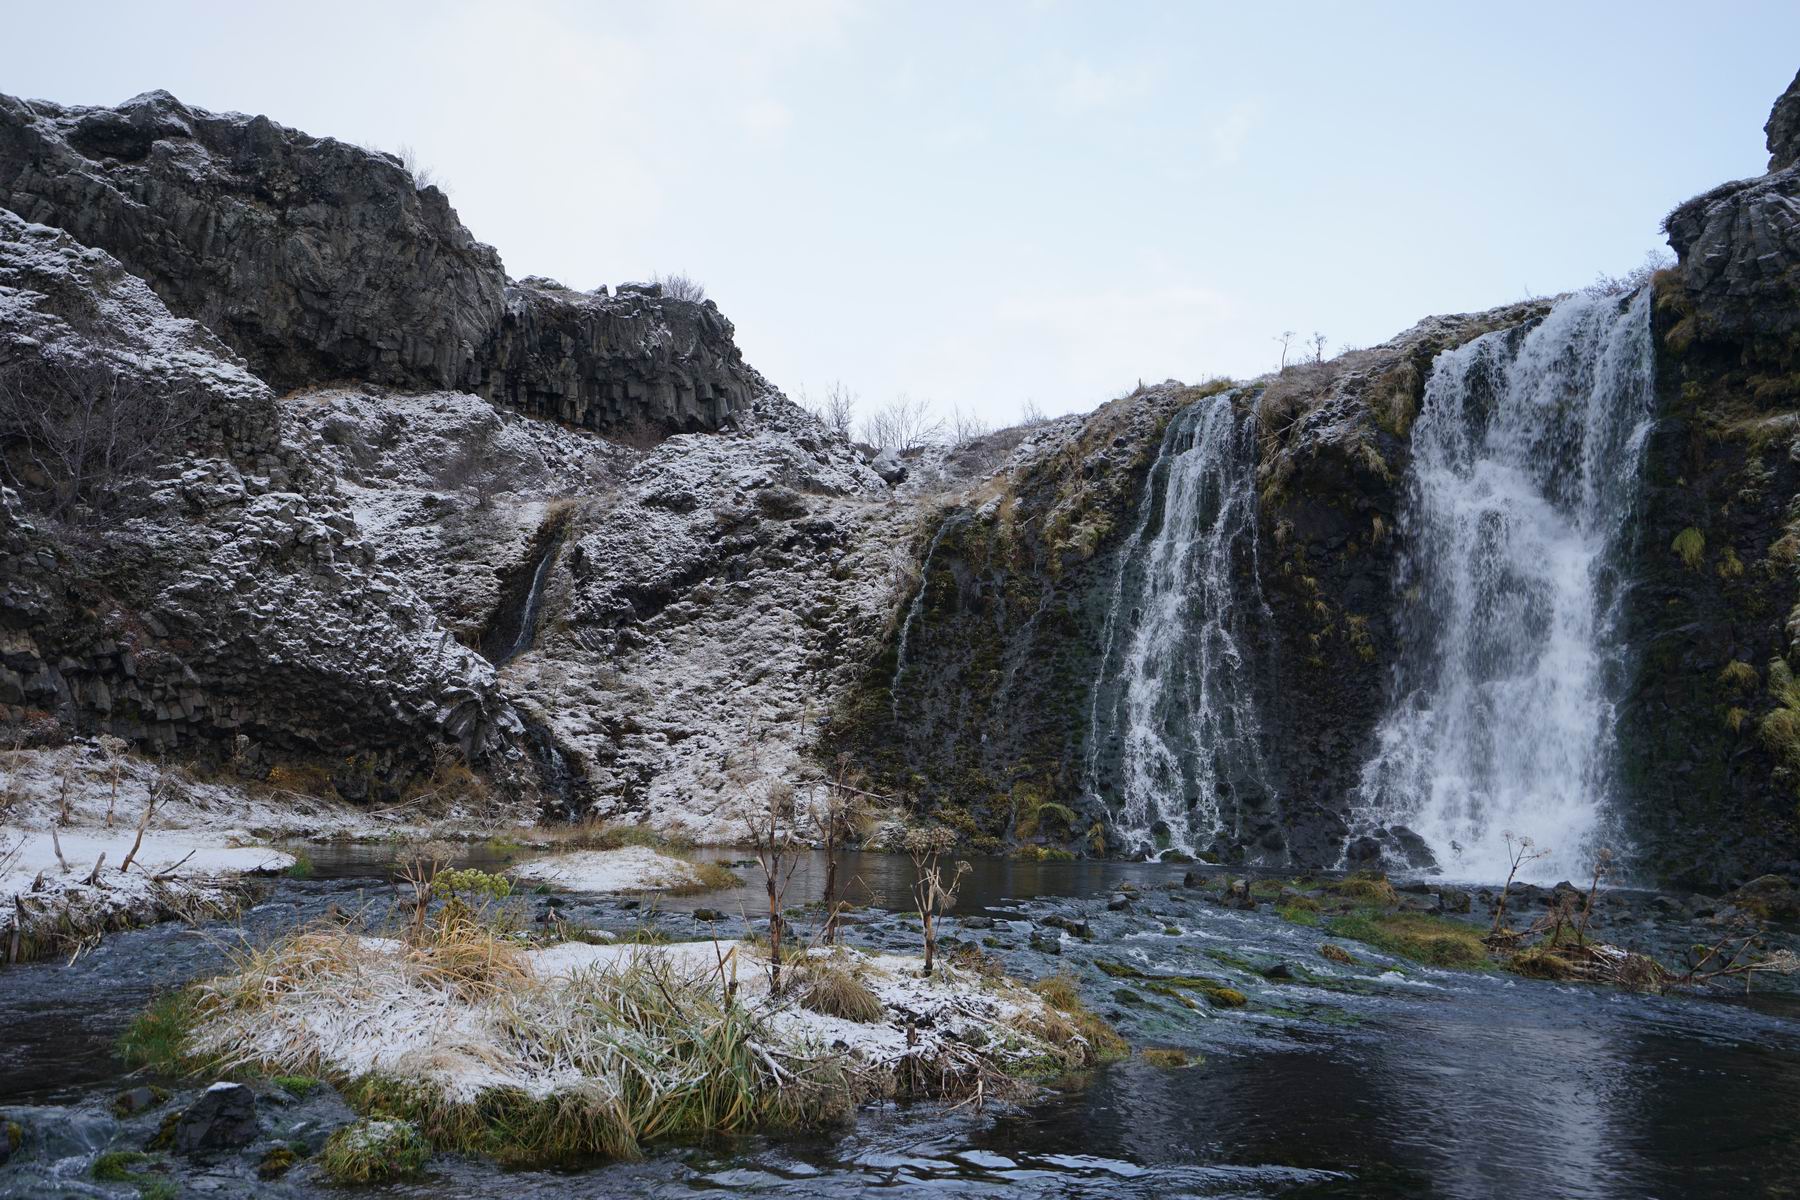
(1336, 1081)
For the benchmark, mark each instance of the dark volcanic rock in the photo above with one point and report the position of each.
(321, 261)
(228, 603)
(1710, 797)
(1783, 128)
(223, 1118)
(314, 258)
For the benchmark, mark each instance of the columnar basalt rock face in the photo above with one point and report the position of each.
(1783, 128)
(320, 262)
(314, 258)
(638, 359)
(228, 594)
(1713, 796)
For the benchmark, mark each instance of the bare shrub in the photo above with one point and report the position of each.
(837, 412)
(966, 428)
(902, 424)
(74, 436)
(1031, 413)
(679, 286)
(773, 837)
(1639, 276)
(926, 848)
(422, 176)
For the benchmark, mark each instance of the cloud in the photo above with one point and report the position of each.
(1081, 87)
(1231, 131)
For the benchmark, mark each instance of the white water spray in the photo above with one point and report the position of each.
(1174, 742)
(1525, 472)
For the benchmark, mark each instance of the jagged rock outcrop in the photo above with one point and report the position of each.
(226, 604)
(1712, 779)
(706, 602)
(320, 261)
(1783, 128)
(637, 361)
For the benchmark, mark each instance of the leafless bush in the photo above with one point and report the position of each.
(773, 837)
(834, 820)
(966, 428)
(422, 176)
(481, 468)
(902, 424)
(1639, 276)
(680, 287)
(1031, 413)
(926, 848)
(1522, 851)
(837, 412)
(73, 437)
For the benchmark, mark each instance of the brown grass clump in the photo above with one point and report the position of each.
(828, 988)
(1167, 1059)
(707, 877)
(1069, 1018)
(1368, 887)
(1337, 954)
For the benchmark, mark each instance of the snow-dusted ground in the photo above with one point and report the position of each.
(380, 1009)
(201, 838)
(626, 869)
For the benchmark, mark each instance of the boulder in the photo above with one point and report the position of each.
(223, 1118)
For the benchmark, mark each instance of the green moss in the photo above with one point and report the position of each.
(115, 1166)
(121, 1104)
(296, 1085)
(1690, 546)
(302, 867)
(1226, 997)
(1367, 887)
(1437, 941)
(374, 1151)
(1301, 910)
(277, 1162)
(1169, 1059)
(157, 1037)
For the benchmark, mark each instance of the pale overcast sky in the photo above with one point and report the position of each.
(987, 203)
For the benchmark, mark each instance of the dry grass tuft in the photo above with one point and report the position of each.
(1368, 887)
(1069, 1019)
(829, 988)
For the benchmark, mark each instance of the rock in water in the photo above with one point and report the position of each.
(223, 1118)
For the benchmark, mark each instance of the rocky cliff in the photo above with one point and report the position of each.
(320, 261)
(576, 539)
(224, 604)
(1714, 782)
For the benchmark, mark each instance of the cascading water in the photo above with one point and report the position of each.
(1525, 471)
(916, 607)
(1174, 744)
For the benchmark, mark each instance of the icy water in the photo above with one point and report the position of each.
(1340, 1081)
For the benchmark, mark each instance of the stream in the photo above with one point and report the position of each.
(1374, 1079)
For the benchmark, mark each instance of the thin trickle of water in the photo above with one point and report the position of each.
(1175, 744)
(914, 609)
(516, 626)
(1518, 514)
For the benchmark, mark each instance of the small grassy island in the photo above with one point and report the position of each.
(456, 1030)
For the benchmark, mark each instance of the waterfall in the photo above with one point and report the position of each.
(915, 608)
(1515, 524)
(1174, 745)
(514, 626)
